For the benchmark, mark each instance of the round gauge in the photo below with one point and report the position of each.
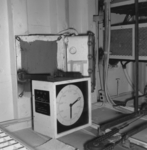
(70, 104)
(73, 50)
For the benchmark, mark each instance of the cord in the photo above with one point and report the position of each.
(69, 31)
(128, 77)
(106, 57)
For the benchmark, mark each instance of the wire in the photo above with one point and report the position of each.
(128, 77)
(136, 119)
(107, 50)
(69, 31)
(106, 57)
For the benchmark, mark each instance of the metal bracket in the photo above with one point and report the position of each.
(98, 19)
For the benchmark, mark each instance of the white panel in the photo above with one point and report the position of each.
(53, 15)
(49, 126)
(6, 105)
(6, 101)
(57, 14)
(24, 105)
(78, 15)
(77, 54)
(61, 15)
(38, 16)
(92, 6)
(19, 10)
(46, 16)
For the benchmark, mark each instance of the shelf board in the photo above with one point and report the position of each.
(127, 7)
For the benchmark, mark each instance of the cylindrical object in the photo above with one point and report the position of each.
(136, 56)
(117, 79)
(118, 121)
(91, 58)
(145, 93)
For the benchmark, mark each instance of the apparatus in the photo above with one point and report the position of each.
(120, 49)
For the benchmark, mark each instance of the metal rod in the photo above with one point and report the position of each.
(119, 120)
(135, 130)
(136, 56)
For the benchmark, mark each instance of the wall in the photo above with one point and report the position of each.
(81, 15)
(23, 17)
(46, 16)
(7, 111)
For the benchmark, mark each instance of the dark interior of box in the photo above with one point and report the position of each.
(39, 57)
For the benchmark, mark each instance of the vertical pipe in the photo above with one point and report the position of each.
(136, 56)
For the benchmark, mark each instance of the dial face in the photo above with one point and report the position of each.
(70, 104)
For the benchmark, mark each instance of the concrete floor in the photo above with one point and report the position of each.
(77, 139)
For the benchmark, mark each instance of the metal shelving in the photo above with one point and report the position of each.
(123, 34)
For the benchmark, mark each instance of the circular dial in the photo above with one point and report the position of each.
(70, 104)
(72, 50)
